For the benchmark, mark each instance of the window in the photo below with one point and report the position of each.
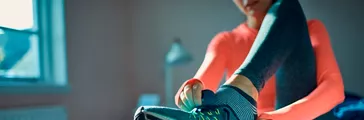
(32, 46)
(18, 40)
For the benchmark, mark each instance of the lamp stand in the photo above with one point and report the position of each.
(168, 85)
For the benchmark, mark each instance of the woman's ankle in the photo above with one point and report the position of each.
(244, 84)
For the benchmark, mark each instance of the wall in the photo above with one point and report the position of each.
(116, 49)
(98, 64)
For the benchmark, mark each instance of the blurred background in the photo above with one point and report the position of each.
(116, 50)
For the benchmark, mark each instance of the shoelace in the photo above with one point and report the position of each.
(206, 115)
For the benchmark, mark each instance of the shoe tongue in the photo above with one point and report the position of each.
(208, 97)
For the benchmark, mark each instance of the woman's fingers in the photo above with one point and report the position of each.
(189, 95)
(197, 94)
(188, 91)
(181, 105)
(185, 101)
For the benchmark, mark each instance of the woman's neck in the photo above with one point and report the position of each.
(254, 22)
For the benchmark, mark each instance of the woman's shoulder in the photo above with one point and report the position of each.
(318, 33)
(222, 37)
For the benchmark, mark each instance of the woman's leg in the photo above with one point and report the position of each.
(296, 78)
(282, 44)
(283, 30)
(293, 58)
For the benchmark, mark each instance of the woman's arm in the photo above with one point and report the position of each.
(212, 69)
(330, 89)
(209, 74)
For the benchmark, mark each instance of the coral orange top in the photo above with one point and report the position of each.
(228, 49)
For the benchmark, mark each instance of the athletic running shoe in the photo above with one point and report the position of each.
(213, 108)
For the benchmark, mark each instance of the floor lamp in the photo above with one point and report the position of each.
(176, 56)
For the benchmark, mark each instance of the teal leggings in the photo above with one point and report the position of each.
(283, 47)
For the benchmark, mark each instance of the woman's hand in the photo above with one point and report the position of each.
(189, 95)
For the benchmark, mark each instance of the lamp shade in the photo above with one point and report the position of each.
(177, 54)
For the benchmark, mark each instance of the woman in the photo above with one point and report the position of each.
(229, 49)
(287, 49)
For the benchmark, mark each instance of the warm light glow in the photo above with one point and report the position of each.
(16, 14)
